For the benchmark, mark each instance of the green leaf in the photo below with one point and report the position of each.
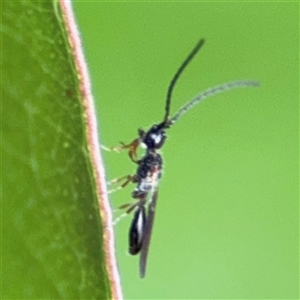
(52, 232)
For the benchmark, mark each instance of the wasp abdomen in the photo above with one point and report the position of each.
(137, 230)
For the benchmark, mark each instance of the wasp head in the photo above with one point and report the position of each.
(154, 138)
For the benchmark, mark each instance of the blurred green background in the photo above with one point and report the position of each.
(227, 217)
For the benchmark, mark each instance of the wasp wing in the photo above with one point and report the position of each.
(147, 234)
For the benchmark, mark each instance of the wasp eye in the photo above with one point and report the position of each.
(154, 138)
(159, 139)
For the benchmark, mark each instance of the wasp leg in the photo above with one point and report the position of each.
(131, 152)
(125, 205)
(127, 178)
(131, 206)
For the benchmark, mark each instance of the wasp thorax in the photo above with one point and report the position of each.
(154, 138)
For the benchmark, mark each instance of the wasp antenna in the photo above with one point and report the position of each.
(177, 75)
(213, 91)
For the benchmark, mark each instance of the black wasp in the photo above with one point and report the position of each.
(150, 166)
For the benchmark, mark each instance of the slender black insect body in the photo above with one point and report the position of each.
(147, 178)
(150, 166)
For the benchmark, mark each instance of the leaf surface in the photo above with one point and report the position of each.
(52, 232)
